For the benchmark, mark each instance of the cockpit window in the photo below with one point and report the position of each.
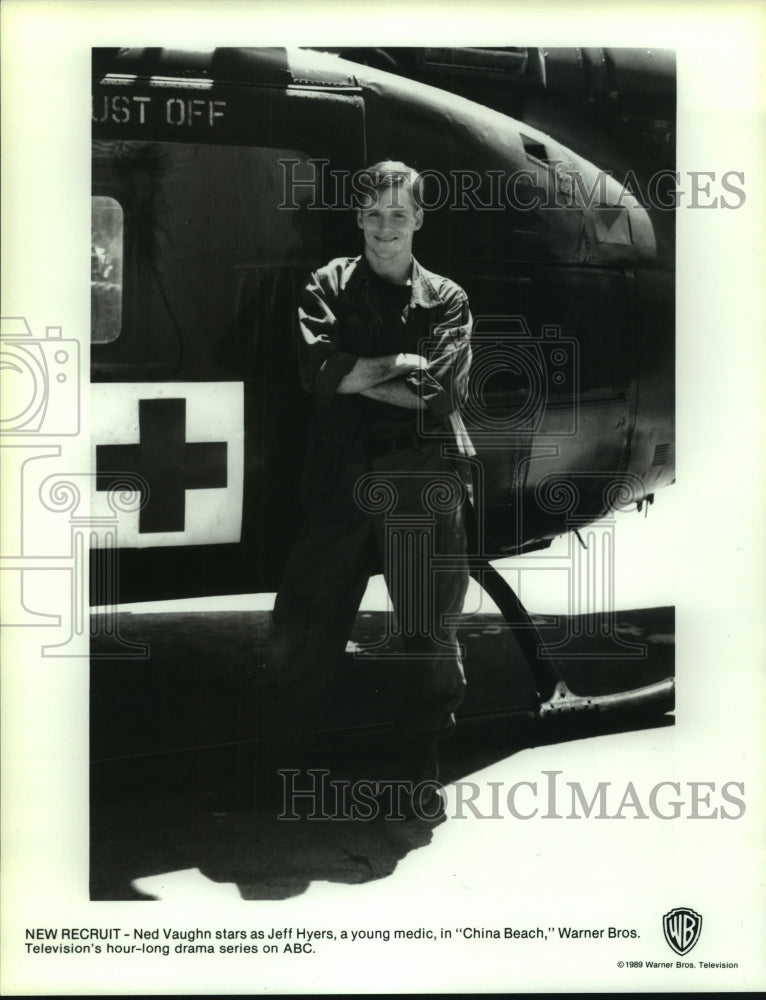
(106, 260)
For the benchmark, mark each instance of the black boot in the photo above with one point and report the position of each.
(416, 792)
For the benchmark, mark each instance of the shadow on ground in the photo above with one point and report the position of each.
(219, 815)
(186, 804)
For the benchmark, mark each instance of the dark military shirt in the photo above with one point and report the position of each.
(347, 312)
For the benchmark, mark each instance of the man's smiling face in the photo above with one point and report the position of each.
(389, 222)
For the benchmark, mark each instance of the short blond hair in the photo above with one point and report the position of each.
(384, 175)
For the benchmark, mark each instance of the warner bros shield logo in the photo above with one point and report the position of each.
(682, 928)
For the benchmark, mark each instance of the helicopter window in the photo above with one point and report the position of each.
(198, 252)
(106, 260)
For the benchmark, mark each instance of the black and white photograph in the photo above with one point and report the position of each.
(275, 411)
(382, 559)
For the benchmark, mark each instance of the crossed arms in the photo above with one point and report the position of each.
(383, 379)
(435, 380)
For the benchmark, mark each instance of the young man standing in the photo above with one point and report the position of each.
(384, 349)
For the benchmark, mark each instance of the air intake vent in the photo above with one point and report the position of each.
(661, 453)
(535, 150)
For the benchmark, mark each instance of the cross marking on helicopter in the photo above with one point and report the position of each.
(168, 463)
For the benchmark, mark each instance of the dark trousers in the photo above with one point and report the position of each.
(402, 513)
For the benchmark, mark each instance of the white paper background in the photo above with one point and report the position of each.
(706, 555)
